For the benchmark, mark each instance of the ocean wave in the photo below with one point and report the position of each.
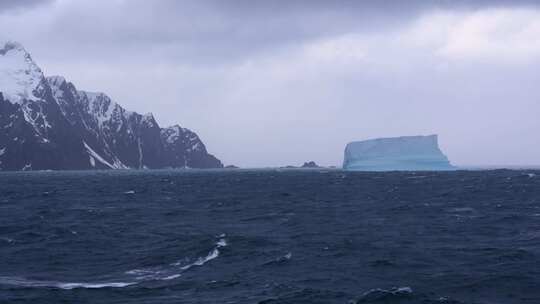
(281, 259)
(22, 282)
(140, 275)
(400, 295)
(307, 295)
(385, 295)
(170, 273)
(202, 260)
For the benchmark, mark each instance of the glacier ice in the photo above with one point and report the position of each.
(406, 153)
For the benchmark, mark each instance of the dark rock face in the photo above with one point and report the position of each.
(183, 148)
(47, 123)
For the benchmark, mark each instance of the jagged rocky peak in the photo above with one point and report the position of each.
(56, 81)
(10, 46)
(149, 119)
(20, 76)
(47, 123)
(174, 133)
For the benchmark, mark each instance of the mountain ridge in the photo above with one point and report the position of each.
(47, 123)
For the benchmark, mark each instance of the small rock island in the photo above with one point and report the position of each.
(406, 153)
(310, 164)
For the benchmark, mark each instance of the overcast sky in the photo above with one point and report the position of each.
(270, 83)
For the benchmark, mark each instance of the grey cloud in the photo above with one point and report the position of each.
(236, 72)
(6, 5)
(215, 32)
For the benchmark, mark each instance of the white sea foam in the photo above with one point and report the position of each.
(202, 260)
(168, 273)
(395, 291)
(22, 282)
(406, 289)
(284, 258)
(221, 243)
(171, 277)
(94, 285)
(147, 274)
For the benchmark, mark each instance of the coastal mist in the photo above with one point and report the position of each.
(270, 236)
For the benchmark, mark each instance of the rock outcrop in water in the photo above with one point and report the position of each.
(47, 123)
(408, 153)
(310, 164)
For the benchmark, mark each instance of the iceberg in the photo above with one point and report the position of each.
(406, 153)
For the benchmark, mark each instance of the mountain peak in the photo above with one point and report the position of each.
(20, 76)
(12, 45)
(56, 81)
(148, 115)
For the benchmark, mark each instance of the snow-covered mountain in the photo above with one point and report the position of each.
(47, 123)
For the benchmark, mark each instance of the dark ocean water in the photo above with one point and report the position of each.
(304, 236)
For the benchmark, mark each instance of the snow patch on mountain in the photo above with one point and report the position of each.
(95, 156)
(20, 77)
(149, 119)
(99, 105)
(172, 134)
(56, 80)
(176, 133)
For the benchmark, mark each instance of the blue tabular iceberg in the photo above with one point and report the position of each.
(407, 153)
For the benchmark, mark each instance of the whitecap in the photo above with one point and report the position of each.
(202, 260)
(406, 289)
(94, 285)
(156, 274)
(146, 274)
(167, 273)
(130, 192)
(22, 282)
(221, 243)
(393, 291)
(171, 277)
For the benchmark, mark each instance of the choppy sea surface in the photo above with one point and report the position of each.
(270, 236)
